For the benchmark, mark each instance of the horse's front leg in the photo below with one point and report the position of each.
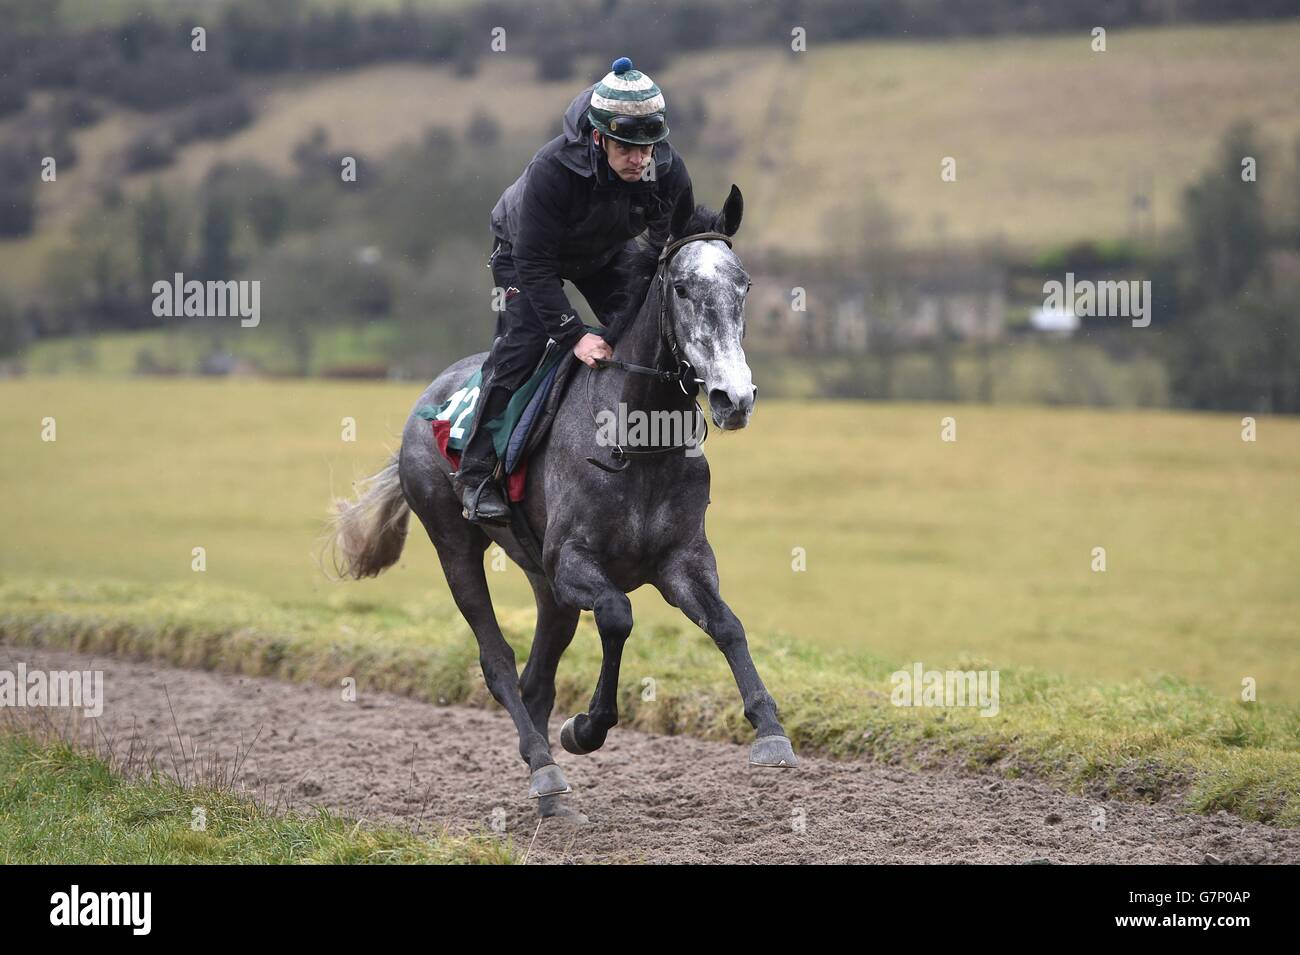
(579, 581)
(690, 582)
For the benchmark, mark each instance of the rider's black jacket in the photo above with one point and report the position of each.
(568, 215)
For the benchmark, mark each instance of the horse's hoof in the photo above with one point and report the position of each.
(548, 781)
(558, 807)
(569, 737)
(774, 751)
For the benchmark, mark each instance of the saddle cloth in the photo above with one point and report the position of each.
(517, 430)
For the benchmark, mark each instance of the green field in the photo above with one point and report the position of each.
(118, 353)
(1076, 372)
(974, 553)
(63, 806)
(916, 548)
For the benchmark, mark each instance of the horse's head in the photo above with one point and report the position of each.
(706, 286)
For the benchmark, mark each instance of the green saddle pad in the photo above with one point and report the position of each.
(462, 406)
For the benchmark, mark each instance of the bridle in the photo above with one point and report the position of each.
(682, 373)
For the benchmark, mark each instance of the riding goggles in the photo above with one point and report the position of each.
(650, 126)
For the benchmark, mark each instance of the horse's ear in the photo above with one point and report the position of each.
(728, 221)
(682, 211)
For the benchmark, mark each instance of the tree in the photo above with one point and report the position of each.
(160, 249)
(483, 131)
(217, 232)
(268, 211)
(1225, 218)
(1237, 343)
(13, 330)
(1244, 353)
(17, 207)
(866, 237)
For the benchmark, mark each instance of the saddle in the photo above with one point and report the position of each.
(516, 433)
(535, 421)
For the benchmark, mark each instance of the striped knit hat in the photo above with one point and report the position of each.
(627, 105)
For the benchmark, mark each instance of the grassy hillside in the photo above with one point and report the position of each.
(916, 549)
(113, 11)
(1049, 137)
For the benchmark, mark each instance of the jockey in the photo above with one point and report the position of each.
(578, 207)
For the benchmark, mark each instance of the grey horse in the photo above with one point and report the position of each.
(603, 531)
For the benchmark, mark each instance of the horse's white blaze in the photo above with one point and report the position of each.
(729, 372)
(709, 259)
(716, 353)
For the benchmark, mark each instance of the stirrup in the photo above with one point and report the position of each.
(471, 513)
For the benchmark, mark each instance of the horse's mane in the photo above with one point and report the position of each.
(637, 269)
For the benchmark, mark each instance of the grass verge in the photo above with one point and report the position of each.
(1148, 740)
(62, 805)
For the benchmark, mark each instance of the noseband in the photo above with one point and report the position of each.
(682, 372)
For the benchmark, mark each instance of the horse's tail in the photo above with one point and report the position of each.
(366, 535)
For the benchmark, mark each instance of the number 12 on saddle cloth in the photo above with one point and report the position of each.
(453, 420)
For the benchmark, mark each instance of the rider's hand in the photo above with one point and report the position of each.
(590, 347)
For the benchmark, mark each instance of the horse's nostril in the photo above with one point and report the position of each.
(723, 402)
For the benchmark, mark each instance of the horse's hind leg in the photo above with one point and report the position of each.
(580, 582)
(460, 546)
(690, 582)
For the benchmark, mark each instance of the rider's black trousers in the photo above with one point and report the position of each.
(520, 343)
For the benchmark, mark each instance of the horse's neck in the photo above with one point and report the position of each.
(641, 344)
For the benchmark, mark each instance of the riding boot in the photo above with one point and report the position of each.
(475, 480)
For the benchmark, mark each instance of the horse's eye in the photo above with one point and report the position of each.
(680, 290)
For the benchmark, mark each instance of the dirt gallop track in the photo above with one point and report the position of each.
(650, 798)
